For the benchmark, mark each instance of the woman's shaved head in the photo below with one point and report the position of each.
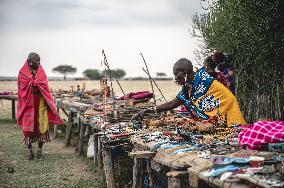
(32, 55)
(183, 64)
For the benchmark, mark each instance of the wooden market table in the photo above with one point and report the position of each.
(189, 165)
(13, 99)
(73, 110)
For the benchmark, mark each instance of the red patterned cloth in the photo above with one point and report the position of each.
(261, 132)
(26, 100)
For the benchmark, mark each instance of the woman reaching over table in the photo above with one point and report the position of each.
(202, 95)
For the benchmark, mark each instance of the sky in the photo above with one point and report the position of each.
(74, 32)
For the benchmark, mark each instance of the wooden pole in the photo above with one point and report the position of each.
(149, 79)
(108, 167)
(149, 170)
(174, 178)
(13, 109)
(96, 137)
(155, 84)
(87, 131)
(81, 137)
(55, 127)
(100, 161)
(69, 128)
(107, 65)
(137, 173)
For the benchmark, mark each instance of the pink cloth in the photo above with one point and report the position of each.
(26, 100)
(138, 95)
(261, 132)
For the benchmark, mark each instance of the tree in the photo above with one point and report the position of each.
(252, 31)
(92, 74)
(118, 73)
(160, 74)
(65, 70)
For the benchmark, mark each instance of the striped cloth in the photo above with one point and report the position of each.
(261, 132)
(41, 138)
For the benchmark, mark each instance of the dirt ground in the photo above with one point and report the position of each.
(61, 167)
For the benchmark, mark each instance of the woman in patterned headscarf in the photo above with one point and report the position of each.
(202, 95)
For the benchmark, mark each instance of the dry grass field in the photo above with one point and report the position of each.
(168, 87)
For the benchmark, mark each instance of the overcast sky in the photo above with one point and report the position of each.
(74, 32)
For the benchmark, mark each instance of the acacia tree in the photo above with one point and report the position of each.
(92, 74)
(160, 74)
(117, 73)
(252, 31)
(65, 70)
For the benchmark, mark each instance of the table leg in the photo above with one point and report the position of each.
(13, 109)
(69, 129)
(108, 167)
(81, 137)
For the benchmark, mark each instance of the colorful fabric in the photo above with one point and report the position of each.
(26, 98)
(261, 132)
(209, 97)
(40, 138)
(40, 132)
(138, 95)
(43, 119)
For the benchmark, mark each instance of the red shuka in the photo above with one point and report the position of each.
(25, 106)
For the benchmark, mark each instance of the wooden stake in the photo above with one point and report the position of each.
(138, 173)
(107, 65)
(81, 137)
(96, 149)
(155, 84)
(149, 169)
(69, 128)
(55, 127)
(108, 167)
(149, 79)
(100, 163)
(13, 109)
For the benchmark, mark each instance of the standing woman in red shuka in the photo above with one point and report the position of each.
(35, 108)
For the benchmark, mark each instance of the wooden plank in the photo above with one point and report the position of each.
(108, 168)
(13, 109)
(177, 174)
(141, 154)
(218, 183)
(9, 97)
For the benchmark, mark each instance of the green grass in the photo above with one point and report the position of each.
(61, 167)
